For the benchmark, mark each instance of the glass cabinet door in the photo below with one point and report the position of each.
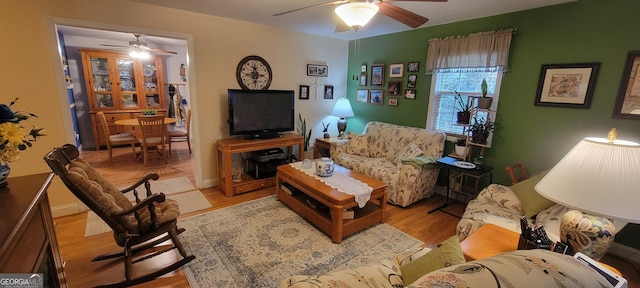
(151, 92)
(127, 81)
(101, 82)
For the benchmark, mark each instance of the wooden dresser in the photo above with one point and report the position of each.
(27, 236)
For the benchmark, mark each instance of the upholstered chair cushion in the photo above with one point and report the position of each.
(111, 200)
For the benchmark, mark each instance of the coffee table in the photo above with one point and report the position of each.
(330, 220)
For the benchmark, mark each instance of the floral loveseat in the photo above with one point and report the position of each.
(382, 152)
(503, 206)
(522, 268)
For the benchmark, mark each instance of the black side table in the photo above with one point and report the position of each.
(448, 163)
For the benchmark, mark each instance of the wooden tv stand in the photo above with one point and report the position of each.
(229, 146)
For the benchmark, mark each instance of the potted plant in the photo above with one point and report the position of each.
(461, 146)
(484, 102)
(302, 130)
(149, 112)
(464, 109)
(480, 130)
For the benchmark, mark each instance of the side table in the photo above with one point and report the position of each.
(322, 146)
(449, 163)
(490, 240)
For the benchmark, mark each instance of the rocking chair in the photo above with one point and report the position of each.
(135, 226)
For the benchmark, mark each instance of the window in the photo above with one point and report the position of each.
(442, 110)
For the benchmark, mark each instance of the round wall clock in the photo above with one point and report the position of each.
(254, 73)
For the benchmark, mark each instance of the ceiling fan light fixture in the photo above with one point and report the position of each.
(358, 14)
(138, 53)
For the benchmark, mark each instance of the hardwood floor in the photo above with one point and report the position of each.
(78, 250)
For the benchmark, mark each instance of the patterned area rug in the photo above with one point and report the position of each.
(262, 242)
(180, 189)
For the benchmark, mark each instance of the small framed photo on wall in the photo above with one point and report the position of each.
(413, 66)
(377, 96)
(304, 92)
(317, 70)
(411, 80)
(328, 91)
(363, 79)
(363, 95)
(395, 70)
(410, 94)
(393, 101)
(377, 74)
(394, 88)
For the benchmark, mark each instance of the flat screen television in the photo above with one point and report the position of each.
(260, 113)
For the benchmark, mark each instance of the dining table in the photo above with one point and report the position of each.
(133, 123)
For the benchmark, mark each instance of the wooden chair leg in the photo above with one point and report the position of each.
(189, 144)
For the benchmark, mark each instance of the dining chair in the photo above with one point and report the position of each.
(182, 133)
(153, 138)
(115, 139)
(517, 172)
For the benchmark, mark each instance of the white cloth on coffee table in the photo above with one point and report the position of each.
(340, 182)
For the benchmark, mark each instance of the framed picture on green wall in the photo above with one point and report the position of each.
(567, 85)
(628, 101)
(377, 74)
(377, 96)
(363, 95)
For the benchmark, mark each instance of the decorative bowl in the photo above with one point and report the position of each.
(324, 167)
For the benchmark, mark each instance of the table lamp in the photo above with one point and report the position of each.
(342, 109)
(600, 176)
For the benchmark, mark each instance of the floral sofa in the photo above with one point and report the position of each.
(522, 268)
(504, 206)
(383, 152)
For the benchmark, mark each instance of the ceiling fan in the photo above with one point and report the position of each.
(370, 7)
(138, 48)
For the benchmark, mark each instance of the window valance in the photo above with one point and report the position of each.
(482, 49)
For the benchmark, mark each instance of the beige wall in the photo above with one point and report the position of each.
(31, 69)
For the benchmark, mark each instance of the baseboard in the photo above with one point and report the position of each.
(209, 183)
(64, 210)
(628, 254)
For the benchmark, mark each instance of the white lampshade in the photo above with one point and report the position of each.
(597, 177)
(357, 14)
(342, 108)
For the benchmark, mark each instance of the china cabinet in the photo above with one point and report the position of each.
(121, 87)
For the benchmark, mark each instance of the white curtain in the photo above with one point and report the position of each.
(483, 49)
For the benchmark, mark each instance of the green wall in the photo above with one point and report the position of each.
(577, 32)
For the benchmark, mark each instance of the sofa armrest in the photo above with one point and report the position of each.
(521, 268)
(338, 148)
(375, 275)
(497, 201)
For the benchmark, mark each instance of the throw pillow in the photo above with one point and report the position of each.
(445, 254)
(409, 151)
(532, 202)
(358, 145)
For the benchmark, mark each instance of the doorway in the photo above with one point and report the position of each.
(79, 34)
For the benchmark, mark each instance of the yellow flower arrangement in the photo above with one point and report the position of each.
(13, 137)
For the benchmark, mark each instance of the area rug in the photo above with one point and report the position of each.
(179, 189)
(262, 242)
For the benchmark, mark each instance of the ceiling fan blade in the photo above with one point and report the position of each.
(314, 5)
(155, 50)
(341, 27)
(110, 45)
(401, 15)
(417, 0)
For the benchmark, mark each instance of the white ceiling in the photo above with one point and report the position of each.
(318, 20)
(322, 20)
